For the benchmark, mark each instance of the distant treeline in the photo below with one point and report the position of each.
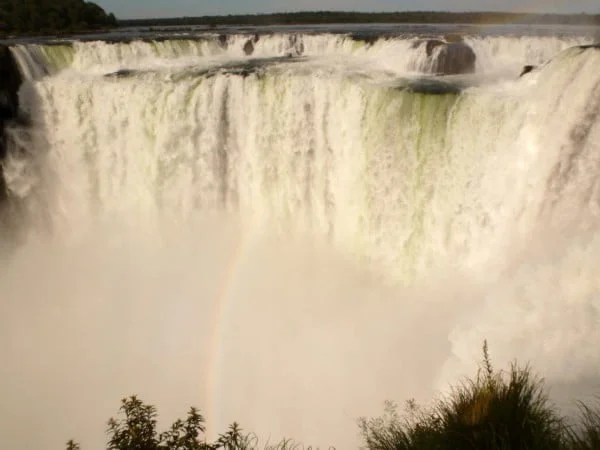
(330, 17)
(49, 16)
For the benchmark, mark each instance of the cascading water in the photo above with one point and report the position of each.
(242, 232)
(399, 55)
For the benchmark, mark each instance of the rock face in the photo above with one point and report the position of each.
(249, 46)
(448, 58)
(295, 46)
(526, 70)
(10, 82)
(222, 39)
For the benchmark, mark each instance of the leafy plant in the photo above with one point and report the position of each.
(71, 445)
(136, 430)
(586, 435)
(496, 410)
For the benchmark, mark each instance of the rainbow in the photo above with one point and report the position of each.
(517, 15)
(239, 258)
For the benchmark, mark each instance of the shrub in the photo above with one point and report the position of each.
(505, 410)
(586, 435)
(494, 411)
(136, 430)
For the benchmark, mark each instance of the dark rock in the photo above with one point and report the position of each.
(10, 82)
(431, 45)
(368, 37)
(249, 47)
(431, 86)
(122, 73)
(447, 58)
(454, 58)
(295, 46)
(526, 70)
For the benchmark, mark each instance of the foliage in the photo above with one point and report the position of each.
(586, 435)
(35, 16)
(233, 439)
(136, 430)
(324, 17)
(185, 434)
(53, 16)
(495, 411)
(71, 445)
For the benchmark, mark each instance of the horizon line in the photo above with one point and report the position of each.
(374, 13)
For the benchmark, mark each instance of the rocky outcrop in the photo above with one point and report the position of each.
(249, 45)
(431, 45)
(295, 46)
(447, 58)
(122, 73)
(10, 82)
(222, 39)
(526, 70)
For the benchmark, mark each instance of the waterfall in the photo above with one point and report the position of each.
(244, 231)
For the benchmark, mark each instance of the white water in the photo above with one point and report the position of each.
(506, 55)
(362, 241)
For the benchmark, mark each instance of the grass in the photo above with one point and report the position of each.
(586, 434)
(505, 410)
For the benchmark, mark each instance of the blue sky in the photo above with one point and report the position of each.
(175, 8)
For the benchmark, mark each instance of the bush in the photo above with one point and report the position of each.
(136, 430)
(586, 435)
(495, 411)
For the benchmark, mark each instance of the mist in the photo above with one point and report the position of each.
(288, 337)
(307, 341)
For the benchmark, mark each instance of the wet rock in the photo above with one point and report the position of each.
(526, 70)
(369, 38)
(10, 82)
(431, 86)
(453, 58)
(122, 73)
(295, 46)
(431, 45)
(249, 47)
(447, 58)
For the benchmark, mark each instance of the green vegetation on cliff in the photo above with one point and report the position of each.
(18, 17)
(48, 16)
(339, 17)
